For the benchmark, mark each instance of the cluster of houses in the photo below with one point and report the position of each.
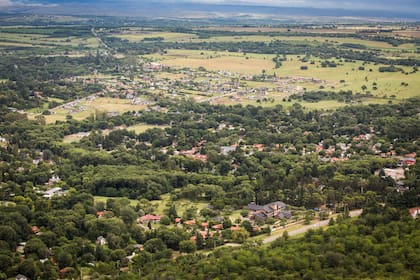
(277, 210)
(213, 86)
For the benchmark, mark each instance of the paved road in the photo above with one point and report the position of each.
(100, 40)
(304, 229)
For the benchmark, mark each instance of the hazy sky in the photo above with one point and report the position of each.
(391, 5)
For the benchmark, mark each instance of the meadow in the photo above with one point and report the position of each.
(86, 109)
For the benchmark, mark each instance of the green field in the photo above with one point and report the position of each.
(86, 108)
(140, 128)
(42, 40)
(161, 205)
(181, 205)
(346, 76)
(387, 83)
(133, 202)
(139, 36)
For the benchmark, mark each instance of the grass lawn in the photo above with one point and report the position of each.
(386, 83)
(133, 202)
(138, 36)
(346, 76)
(87, 108)
(217, 61)
(181, 205)
(140, 128)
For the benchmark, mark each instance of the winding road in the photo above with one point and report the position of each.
(304, 229)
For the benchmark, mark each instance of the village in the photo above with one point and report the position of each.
(216, 87)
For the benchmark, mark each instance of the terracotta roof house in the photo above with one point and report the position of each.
(189, 222)
(217, 227)
(100, 214)
(235, 228)
(271, 210)
(415, 212)
(35, 229)
(149, 218)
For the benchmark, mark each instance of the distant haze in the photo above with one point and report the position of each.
(370, 8)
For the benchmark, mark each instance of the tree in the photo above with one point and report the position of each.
(128, 215)
(240, 235)
(9, 235)
(164, 220)
(63, 258)
(308, 218)
(187, 246)
(30, 268)
(285, 235)
(154, 245)
(36, 247)
(172, 214)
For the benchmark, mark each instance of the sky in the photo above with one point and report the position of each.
(400, 6)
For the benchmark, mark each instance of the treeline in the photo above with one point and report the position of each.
(341, 96)
(57, 32)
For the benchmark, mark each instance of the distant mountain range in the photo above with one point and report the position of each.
(199, 10)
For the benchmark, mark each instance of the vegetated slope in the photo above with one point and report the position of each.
(383, 243)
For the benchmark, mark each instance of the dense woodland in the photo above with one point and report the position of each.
(309, 159)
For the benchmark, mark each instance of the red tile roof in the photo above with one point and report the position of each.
(149, 217)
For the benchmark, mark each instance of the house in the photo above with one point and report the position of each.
(35, 229)
(189, 222)
(217, 227)
(235, 228)
(53, 192)
(53, 180)
(101, 240)
(149, 218)
(409, 161)
(99, 214)
(396, 173)
(415, 212)
(271, 210)
(225, 150)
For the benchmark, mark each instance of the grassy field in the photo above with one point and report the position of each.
(386, 83)
(346, 76)
(86, 108)
(28, 40)
(181, 205)
(167, 36)
(140, 128)
(217, 61)
(161, 205)
(133, 202)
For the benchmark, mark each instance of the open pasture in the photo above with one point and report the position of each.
(138, 36)
(142, 127)
(218, 61)
(83, 109)
(348, 77)
(43, 40)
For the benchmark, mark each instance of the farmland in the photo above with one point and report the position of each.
(263, 81)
